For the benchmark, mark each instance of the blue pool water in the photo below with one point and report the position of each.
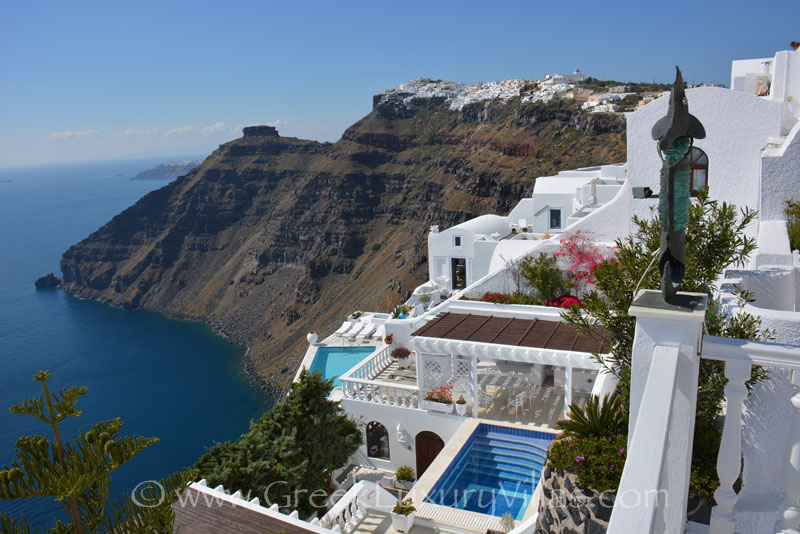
(496, 471)
(333, 362)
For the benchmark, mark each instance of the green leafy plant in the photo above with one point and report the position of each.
(544, 277)
(793, 223)
(596, 418)
(425, 298)
(294, 447)
(507, 522)
(404, 473)
(597, 461)
(404, 507)
(77, 474)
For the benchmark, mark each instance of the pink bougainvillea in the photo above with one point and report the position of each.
(583, 256)
(564, 302)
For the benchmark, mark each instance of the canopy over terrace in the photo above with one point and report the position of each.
(463, 338)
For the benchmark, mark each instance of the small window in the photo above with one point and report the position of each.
(377, 441)
(555, 219)
(457, 240)
(698, 163)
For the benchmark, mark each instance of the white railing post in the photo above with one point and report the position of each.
(729, 461)
(680, 325)
(790, 483)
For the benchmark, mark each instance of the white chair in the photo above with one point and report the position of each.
(366, 332)
(379, 333)
(485, 400)
(357, 330)
(344, 328)
(516, 403)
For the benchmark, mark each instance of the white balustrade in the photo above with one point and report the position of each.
(729, 461)
(790, 482)
(739, 357)
(359, 383)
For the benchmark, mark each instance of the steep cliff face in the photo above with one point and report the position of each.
(271, 237)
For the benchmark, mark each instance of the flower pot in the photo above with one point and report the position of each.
(461, 409)
(402, 523)
(388, 340)
(312, 337)
(434, 406)
(404, 363)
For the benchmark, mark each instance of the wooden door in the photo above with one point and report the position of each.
(429, 445)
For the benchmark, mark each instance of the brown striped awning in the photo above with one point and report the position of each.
(535, 333)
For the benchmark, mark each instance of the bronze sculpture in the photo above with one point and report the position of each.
(675, 134)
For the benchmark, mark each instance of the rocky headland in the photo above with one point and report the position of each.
(271, 237)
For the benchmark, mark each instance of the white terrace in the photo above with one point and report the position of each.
(507, 365)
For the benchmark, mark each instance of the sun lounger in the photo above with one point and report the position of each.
(356, 329)
(379, 333)
(347, 325)
(367, 332)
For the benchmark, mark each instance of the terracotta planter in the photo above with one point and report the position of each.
(312, 337)
(402, 523)
(388, 340)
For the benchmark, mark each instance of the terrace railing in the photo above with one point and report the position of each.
(654, 485)
(360, 383)
(739, 357)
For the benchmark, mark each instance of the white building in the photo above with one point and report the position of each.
(467, 252)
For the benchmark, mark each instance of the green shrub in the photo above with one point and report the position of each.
(544, 277)
(793, 223)
(404, 473)
(404, 507)
(596, 419)
(376, 247)
(597, 461)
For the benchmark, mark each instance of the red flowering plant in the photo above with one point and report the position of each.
(564, 302)
(444, 394)
(583, 256)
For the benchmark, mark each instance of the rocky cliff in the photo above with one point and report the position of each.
(271, 237)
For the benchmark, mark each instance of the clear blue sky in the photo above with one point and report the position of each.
(100, 80)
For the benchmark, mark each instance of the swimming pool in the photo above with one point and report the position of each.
(333, 362)
(496, 471)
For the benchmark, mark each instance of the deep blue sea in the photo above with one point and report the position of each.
(171, 379)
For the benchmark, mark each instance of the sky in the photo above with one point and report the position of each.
(85, 81)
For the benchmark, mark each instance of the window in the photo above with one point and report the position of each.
(457, 240)
(698, 165)
(377, 441)
(555, 219)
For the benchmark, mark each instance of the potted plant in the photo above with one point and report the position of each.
(461, 406)
(403, 357)
(404, 477)
(403, 515)
(389, 339)
(439, 400)
(312, 337)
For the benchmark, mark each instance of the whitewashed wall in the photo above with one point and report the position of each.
(412, 421)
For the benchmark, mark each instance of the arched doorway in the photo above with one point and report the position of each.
(429, 445)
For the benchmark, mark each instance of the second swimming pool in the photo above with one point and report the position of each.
(333, 362)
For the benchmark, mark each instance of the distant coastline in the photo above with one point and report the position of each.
(168, 171)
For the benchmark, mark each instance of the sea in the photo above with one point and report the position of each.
(175, 380)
